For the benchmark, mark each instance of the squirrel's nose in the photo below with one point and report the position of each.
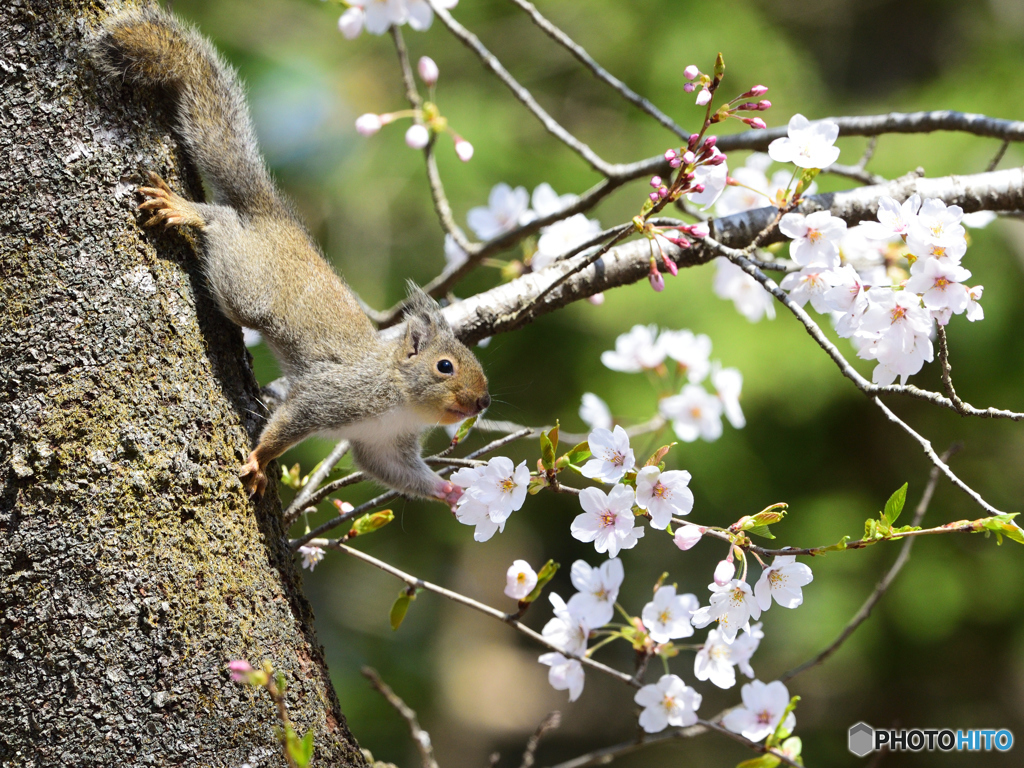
(483, 402)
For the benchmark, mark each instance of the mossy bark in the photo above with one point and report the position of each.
(132, 565)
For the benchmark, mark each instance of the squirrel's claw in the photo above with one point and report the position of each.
(253, 478)
(170, 209)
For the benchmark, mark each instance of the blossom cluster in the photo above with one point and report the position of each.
(854, 274)
(490, 494)
(694, 412)
(508, 208)
(378, 16)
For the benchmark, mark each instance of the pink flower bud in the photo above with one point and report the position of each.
(655, 181)
(464, 150)
(689, 88)
(597, 299)
(657, 281)
(715, 159)
(670, 265)
(755, 122)
(681, 242)
(703, 97)
(692, 142)
(654, 197)
(691, 72)
(351, 22)
(724, 572)
(687, 536)
(670, 155)
(698, 188)
(709, 142)
(428, 70)
(240, 670)
(699, 230)
(675, 162)
(757, 90)
(417, 137)
(764, 104)
(688, 157)
(368, 124)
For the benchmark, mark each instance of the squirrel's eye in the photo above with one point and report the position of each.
(445, 366)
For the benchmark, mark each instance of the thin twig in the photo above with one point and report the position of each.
(856, 173)
(994, 163)
(490, 61)
(869, 152)
(549, 723)
(947, 372)
(420, 736)
(598, 71)
(487, 610)
(318, 475)
(865, 610)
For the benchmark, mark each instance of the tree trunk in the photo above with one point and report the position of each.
(132, 565)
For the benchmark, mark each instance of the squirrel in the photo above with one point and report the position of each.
(266, 273)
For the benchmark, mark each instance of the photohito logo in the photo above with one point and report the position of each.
(862, 739)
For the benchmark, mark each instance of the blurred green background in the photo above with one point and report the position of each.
(946, 646)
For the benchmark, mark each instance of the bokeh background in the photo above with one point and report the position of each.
(946, 646)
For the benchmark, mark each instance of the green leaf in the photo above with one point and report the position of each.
(536, 485)
(760, 530)
(578, 453)
(400, 608)
(1004, 525)
(371, 522)
(299, 750)
(764, 761)
(290, 477)
(658, 455)
(463, 430)
(805, 181)
(894, 505)
(836, 547)
(793, 746)
(546, 574)
(548, 446)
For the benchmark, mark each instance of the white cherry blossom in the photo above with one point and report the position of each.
(567, 630)
(594, 412)
(607, 520)
(421, 15)
(520, 579)
(561, 237)
(545, 201)
(350, 23)
(565, 674)
(783, 580)
(937, 222)
(731, 605)
(505, 208)
(809, 145)
(381, 14)
(894, 219)
(940, 284)
(762, 710)
(668, 702)
(663, 494)
(728, 383)
(499, 485)
(637, 350)
(713, 177)
(694, 413)
(598, 590)
(612, 456)
(815, 238)
(809, 285)
(311, 555)
(718, 657)
(690, 350)
(751, 300)
(974, 310)
(667, 616)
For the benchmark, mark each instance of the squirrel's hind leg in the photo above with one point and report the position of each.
(169, 208)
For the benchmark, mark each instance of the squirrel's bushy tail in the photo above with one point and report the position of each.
(153, 49)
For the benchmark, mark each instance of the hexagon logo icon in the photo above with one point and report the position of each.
(861, 739)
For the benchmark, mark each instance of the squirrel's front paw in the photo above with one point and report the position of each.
(448, 493)
(167, 207)
(253, 477)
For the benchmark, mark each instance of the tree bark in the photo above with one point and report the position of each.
(132, 565)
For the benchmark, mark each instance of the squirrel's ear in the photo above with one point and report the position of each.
(423, 319)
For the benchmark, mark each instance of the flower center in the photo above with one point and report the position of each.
(608, 519)
(617, 458)
(521, 577)
(941, 282)
(938, 251)
(776, 579)
(814, 235)
(695, 412)
(660, 491)
(764, 717)
(507, 485)
(897, 313)
(665, 617)
(669, 703)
